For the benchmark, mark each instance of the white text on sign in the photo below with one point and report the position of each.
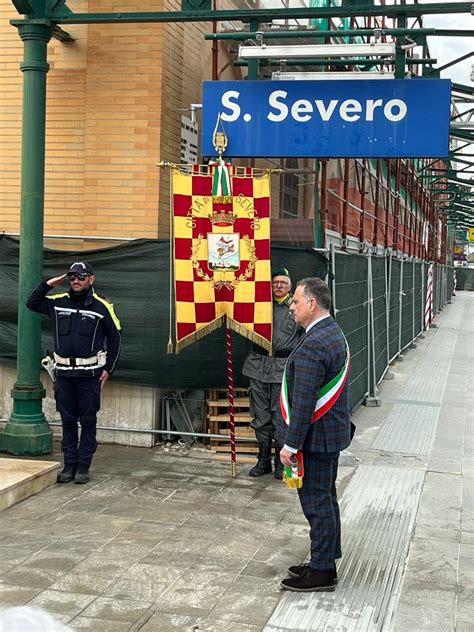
(303, 110)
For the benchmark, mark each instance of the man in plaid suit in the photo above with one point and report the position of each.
(317, 358)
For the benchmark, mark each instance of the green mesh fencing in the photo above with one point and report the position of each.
(136, 277)
(395, 279)
(418, 291)
(436, 276)
(464, 279)
(406, 330)
(379, 281)
(450, 281)
(351, 311)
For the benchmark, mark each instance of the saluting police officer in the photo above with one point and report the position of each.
(87, 346)
(266, 373)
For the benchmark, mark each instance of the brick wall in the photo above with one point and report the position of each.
(113, 101)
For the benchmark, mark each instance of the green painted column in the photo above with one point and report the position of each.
(27, 431)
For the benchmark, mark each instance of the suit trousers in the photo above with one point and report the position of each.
(78, 400)
(318, 500)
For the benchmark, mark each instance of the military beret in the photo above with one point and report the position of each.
(280, 272)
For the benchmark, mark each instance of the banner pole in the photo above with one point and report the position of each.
(230, 378)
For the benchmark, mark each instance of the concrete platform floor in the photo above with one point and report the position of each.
(165, 541)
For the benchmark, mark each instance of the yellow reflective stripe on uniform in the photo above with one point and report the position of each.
(58, 295)
(110, 307)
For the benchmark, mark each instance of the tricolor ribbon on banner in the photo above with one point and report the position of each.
(221, 181)
(327, 397)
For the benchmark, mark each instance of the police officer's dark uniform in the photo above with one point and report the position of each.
(266, 373)
(87, 342)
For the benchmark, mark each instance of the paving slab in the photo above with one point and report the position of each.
(163, 540)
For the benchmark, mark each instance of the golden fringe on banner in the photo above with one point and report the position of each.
(233, 324)
(251, 335)
(200, 333)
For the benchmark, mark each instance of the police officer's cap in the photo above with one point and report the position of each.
(280, 272)
(81, 267)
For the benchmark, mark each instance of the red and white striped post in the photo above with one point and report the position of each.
(429, 299)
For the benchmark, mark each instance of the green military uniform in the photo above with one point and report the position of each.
(265, 373)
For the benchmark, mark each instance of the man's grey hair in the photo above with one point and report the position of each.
(318, 289)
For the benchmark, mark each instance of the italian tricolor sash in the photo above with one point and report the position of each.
(327, 397)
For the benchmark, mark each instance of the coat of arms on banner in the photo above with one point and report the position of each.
(222, 254)
(223, 251)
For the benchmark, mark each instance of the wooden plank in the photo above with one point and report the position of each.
(238, 417)
(239, 432)
(239, 402)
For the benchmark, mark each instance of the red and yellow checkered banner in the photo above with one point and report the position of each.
(222, 255)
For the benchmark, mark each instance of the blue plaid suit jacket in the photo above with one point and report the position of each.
(317, 358)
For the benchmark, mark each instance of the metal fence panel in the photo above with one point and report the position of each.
(352, 314)
(379, 294)
(419, 299)
(395, 281)
(407, 305)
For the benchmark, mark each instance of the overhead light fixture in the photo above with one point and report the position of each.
(315, 50)
(310, 76)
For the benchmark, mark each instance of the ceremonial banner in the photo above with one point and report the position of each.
(222, 254)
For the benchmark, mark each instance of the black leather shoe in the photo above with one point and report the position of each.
(279, 471)
(67, 474)
(260, 469)
(310, 581)
(82, 475)
(297, 571)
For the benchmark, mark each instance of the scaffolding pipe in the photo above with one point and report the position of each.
(244, 36)
(388, 290)
(401, 294)
(164, 432)
(345, 204)
(88, 237)
(396, 219)
(362, 206)
(376, 202)
(323, 201)
(388, 200)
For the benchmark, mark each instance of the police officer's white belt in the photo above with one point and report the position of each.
(94, 362)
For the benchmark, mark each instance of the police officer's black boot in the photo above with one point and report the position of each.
(67, 473)
(82, 474)
(264, 462)
(278, 464)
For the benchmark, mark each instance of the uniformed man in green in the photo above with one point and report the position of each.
(266, 372)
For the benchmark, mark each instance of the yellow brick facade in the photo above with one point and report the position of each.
(113, 111)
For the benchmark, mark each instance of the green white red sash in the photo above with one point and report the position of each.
(327, 396)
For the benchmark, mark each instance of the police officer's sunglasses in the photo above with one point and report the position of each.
(75, 275)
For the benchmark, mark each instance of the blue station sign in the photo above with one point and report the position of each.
(381, 118)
